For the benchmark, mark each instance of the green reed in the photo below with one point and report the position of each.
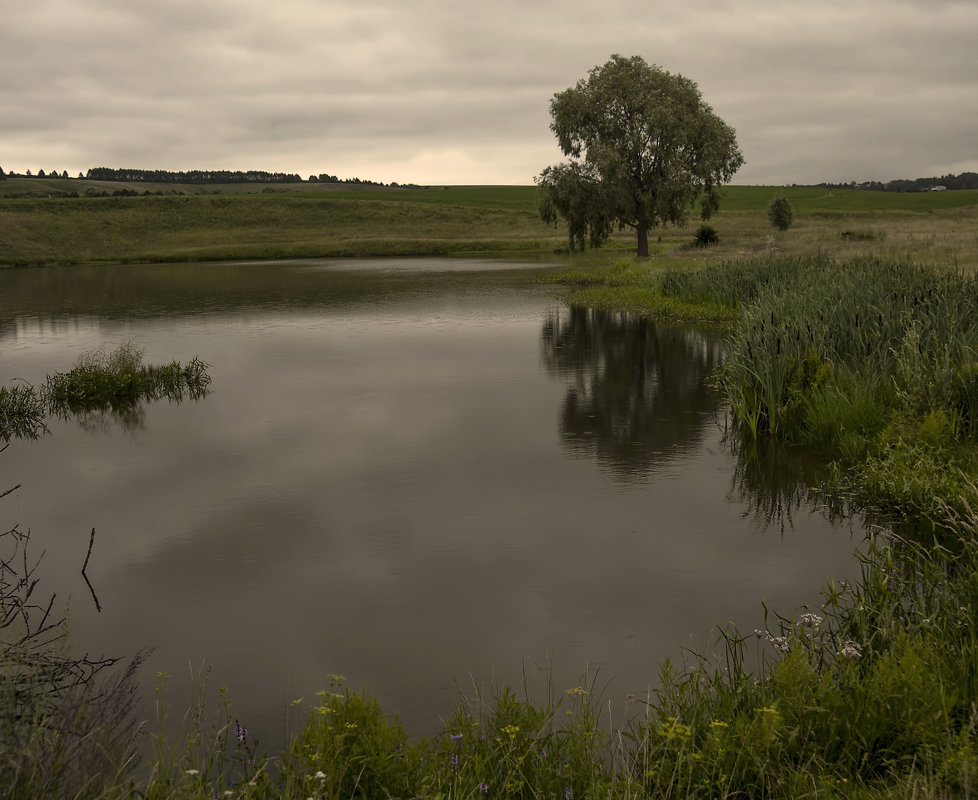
(22, 412)
(119, 380)
(871, 362)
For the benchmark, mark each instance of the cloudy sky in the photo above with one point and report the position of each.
(458, 92)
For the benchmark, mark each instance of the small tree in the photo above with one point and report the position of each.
(644, 149)
(780, 213)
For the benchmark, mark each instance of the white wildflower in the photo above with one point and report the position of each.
(851, 650)
(779, 642)
(320, 775)
(810, 620)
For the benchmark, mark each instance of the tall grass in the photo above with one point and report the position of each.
(66, 721)
(22, 412)
(871, 362)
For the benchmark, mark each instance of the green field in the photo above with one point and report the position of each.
(249, 221)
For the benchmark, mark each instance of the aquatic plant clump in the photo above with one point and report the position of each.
(108, 384)
(120, 379)
(22, 412)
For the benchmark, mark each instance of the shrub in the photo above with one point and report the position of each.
(705, 236)
(780, 213)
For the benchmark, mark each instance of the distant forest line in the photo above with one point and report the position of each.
(195, 176)
(966, 180)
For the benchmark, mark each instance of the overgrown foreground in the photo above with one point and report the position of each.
(872, 694)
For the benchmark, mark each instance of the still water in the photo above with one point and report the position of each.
(422, 475)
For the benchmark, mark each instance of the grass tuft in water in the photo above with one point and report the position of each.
(119, 380)
(22, 412)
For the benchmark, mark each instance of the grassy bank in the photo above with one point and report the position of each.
(319, 220)
(257, 226)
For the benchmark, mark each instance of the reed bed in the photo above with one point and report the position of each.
(871, 362)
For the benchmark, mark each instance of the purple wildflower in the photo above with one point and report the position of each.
(240, 732)
(454, 760)
(456, 737)
(483, 788)
(568, 793)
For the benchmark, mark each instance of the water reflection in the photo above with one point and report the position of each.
(387, 467)
(637, 391)
(776, 483)
(54, 299)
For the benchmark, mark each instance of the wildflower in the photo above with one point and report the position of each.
(320, 775)
(568, 793)
(483, 788)
(851, 650)
(240, 732)
(779, 642)
(758, 633)
(193, 772)
(456, 737)
(810, 620)
(454, 760)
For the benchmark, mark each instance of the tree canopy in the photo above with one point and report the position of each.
(644, 149)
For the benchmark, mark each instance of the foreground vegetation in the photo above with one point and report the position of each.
(855, 333)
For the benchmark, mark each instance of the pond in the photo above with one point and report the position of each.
(420, 474)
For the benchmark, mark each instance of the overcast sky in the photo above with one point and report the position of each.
(458, 92)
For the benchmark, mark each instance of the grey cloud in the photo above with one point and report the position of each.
(340, 86)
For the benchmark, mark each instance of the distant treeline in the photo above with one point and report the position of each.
(966, 180)
(191, 176)
(196, 176)
(211, 176)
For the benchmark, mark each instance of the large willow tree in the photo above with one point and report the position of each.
(644, 148)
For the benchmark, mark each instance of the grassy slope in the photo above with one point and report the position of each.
(309, 220)
(275, 225)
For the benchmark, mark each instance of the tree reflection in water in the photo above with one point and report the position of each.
(637, 391)
(639, 395)
(774, 482)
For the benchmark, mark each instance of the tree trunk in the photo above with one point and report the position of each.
(643, 240)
